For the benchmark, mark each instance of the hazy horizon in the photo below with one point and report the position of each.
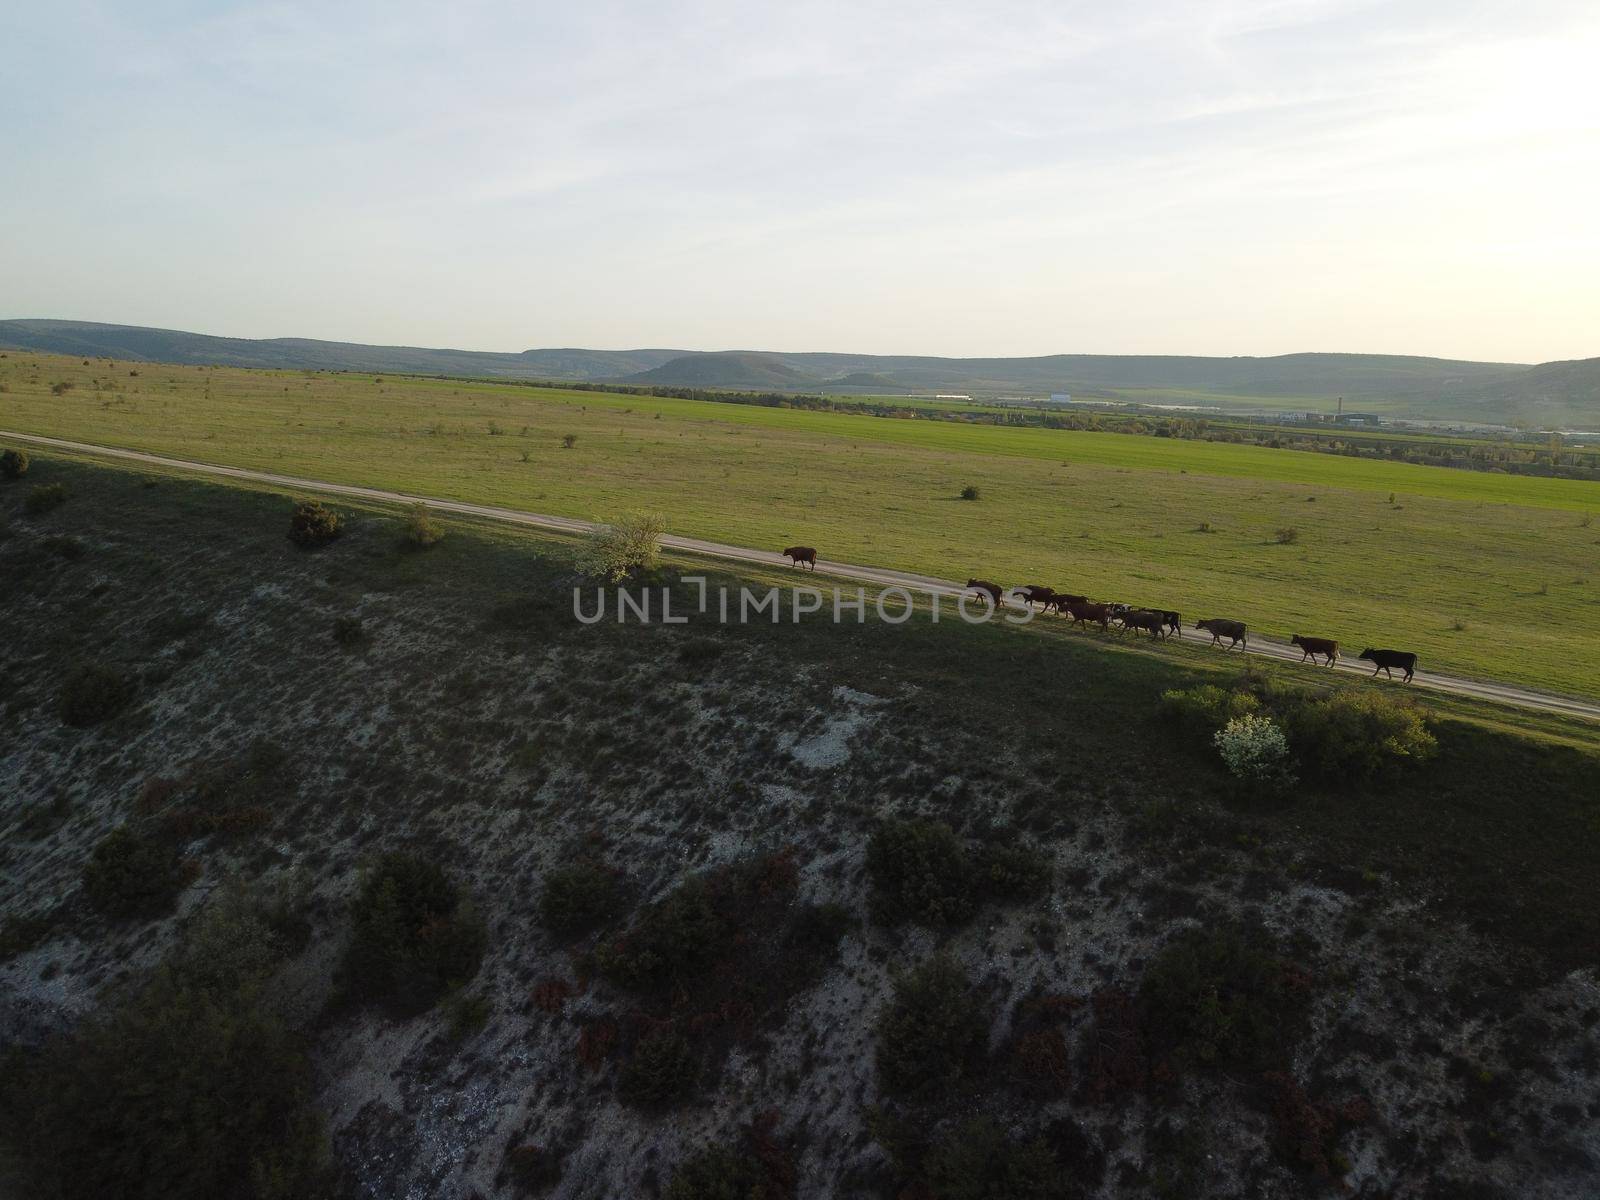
(1255, 178)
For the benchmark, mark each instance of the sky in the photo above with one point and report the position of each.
(995, 178)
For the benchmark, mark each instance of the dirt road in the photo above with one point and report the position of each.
(1500, 693)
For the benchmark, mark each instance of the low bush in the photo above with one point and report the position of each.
(1199, 712)
(91, 693)
(932, 1033)
(1256, 752)
(312, 524)
(187, 1089)
(422, 528)
(672, 939)
(718, 1173)
(1013, 872)
(348, 631)
(45, 498)
(1357, 735)
(128, 875)
(13, 464)
(415, 937)
(578, 898)
(662, 1070)
(20, 933)
(969, 493)
(919, 872)
(1221, 998)
(627, 547)
(1287, 536)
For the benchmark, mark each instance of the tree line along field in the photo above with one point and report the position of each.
(1482, 574)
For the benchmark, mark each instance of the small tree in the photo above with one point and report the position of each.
(569, 440)
(969, 492)
(313, 524)
(14, 464)
(423, 529)
(628, 546)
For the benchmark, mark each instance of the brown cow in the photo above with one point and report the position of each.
(993, 591)
(1097, 614)
(1385, 659)
(1063, 602)
(1220, 628)
(1138, 618)
(802, 554)
(1045, 596)
(1172, 621)
(1313, 648)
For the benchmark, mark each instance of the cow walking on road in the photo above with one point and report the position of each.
(1219, 628)
(1384, 660)
(1315, 648)
(802, 554)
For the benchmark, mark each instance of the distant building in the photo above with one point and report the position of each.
(1060, 398)
(951, 396)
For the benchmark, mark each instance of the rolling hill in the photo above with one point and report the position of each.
(1564, 394)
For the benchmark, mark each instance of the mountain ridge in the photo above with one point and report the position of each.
(1560, 393)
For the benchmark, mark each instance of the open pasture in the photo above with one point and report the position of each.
(1486, 575)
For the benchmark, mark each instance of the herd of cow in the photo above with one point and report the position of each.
(1157, 622)
(1162, 622)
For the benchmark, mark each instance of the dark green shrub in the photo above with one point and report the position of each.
(969, 493)
(187, 1089)
(1016, 872)
(530, 1169)
(45, 498)
(578, 898)
(414, 936)
(20, 933)
(348, 632)
(1356, 735)
(718, 1173)
(919, 872)
(977, 1161)
(932, 1033)
(673, 938)
(422, 528)
(312, 524)
(91, 693)
(1221, 998)
(131, 876)
(661, 1070)
(1199, 712)
(13, 464)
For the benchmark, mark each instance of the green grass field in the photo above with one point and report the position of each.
(1483, 574)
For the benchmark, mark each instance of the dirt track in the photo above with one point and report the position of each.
(1507, 694)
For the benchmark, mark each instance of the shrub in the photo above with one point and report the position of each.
(132, 876)
(422, 528)
(45, 498)
(977, 1161)
(1286, 536)
(185, 1090)
(1201, 711)
(578, 898)
(717, 1173)
(348, 632)
(629, 546)
(1357, 734)
(20, 934)
(61, 388)
(530, 1169)
(13, 464)
(1016, 872)
(1221, 998)
(569, 440)
(969, 492)
(931, 1034)
(312, 524)
(91, 693)
(1255, 751)
(414, 936)
(672, 938)
(919, 872)
(661, 1070)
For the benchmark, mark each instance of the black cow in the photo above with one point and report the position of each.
(1386, 659)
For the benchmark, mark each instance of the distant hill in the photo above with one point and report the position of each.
(748, 370)
(1556, 393)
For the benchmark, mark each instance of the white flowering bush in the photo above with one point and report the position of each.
(1255, 751)
(628, 546)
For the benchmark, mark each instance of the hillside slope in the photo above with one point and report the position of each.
(809, 892)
